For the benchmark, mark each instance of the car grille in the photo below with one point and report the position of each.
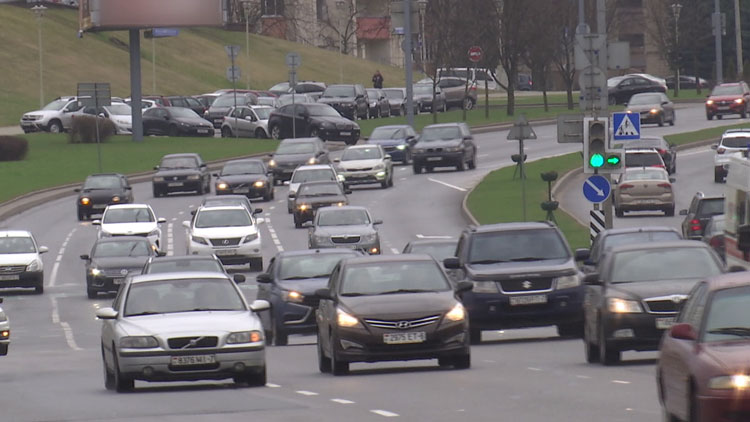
(665, 305)
(389, 149)
(361, 169)
(12, 269)
(115, 272)
(724, 103)
(434, 150)
(343, 126)
(526, 285)
(345, 239)
(234, 241)
(198, 342)
(129, 234)
(173, 178)
(403, 324)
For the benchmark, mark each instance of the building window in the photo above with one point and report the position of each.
(635, 40)
(321, 8)
(272, 7)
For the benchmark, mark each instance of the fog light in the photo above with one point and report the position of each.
(380, 174)
(239, 367)
(624, 333)
(374, 251)
(148, 371)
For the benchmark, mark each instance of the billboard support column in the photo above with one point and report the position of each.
(135, 84)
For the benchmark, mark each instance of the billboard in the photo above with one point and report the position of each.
(108, 15)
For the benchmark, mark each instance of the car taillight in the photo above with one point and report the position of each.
(626, 186)
(720, 150)
(695, 225)
(662, 151)
(665, 186)
(661, 166)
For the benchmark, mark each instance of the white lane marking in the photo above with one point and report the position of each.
(620, 382)
(53, 276)
(274, 236)
(395, 251)
(583, 377)
(384, 413)
(342, 401)
(447, 184)
(272, 207)
(170, 239)
(483, 155)
(55, 310)
(306, 393)
(181, 212)
(424, 236)
(69, 336)
(174, 219)
(272, 385)
(531, 368)
(403, 179)
(695, 152)
(58, 258)
(489, 361)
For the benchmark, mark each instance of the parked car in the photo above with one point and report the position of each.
(54, 117)
(423, 96)
(310, 173)
(206, 100)
(444, 144)
(701, 374)
(350, 101)
(637, 293)
(365, 164)
(222, 104)
(130, 220)
(191, 326)
(246, 122)
(268, 101)
(644, 189)
(112, 259)
(379, 106)
(175, 121)
(289, 284)
(285, 99)
(396, 140)
(280, 88)
(160, 100)
(702, 208)
(100, 190)
(668, 151)
(728, 98)
(314, 195)
(119, 113)
(687, 82)
(312, 88)
(653, 107)
(181, 173)
(394, 307)
(610, 238)
(621, 88)
(455, 91)
(20, 260)
(249, 177)
(292, 153)
(4, 331)
(732, 141)
(145, 104)
(397, 100)
(350, 227)
(713, 235)
(313, 120)
(188, 102)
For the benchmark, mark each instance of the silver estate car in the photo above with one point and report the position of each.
(182, 327)
(348, 226)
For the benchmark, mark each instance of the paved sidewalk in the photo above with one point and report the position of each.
(11, 130)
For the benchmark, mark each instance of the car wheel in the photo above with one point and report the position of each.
(591, 349)
(91, 293)
(324, 364)
(297, 222)
(226, 132)
(468, 103)
(429, 169)
(417, 169)
(390, 180)
(173, 131)
(402, 111)
(718, 178)
(3, 349)
(280, 337)
(744, 114)
(157, 192)
(268, 195)
(256, 264)
(672, 120)
(367, 113)
(719, 116)
(384, 183)
(122, 383)
(475, 336)
(607, 355)
(377, 115)
(462, 361)
(695, 413)
(55, 126)
(619, 212)
(337, 367)
(407, 157)
(351, 142)
(260, 133)
(259, 379)
(669, 212)
(473, 162)
(109, 377)
(276, 132)
(201, 189)
(461, 166)
(570, 330)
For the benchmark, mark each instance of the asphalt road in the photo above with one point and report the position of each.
(53, 371)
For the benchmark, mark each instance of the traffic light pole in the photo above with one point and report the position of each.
(601, 27)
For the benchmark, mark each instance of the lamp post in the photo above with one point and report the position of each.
(39, 13)
(246, 6)
(423, 50)
(676, 7)
(340, 5)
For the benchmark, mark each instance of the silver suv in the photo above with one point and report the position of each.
(55, 117)
(20, 263)
(347, 226)
(732, 141)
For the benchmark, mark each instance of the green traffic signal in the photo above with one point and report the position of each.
(596, 160)
(613, 160)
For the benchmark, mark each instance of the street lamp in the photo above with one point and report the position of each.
(39, 13)
(340, 6)
(676, 7)
(246, 5)
(422, 8)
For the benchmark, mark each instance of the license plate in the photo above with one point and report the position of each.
(242, 190)
(528, 300)
(664, 323)
(193, 360)
(723, 107)
(9, 277)
(202, 130)
(218, 120)
(224, 252)
(117, 280)
(405, 338)
(174, 184)
(99, 206)
(346, 134)
(434, 158)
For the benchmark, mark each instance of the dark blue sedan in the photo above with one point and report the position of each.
(396, 140)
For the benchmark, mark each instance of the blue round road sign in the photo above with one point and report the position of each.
(596, 188)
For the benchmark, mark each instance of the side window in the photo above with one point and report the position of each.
(192, 102)
(333, 281)
(693, 205)
(271, 266)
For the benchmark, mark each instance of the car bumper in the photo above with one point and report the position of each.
(250, 192)
(104, 283)
(724, 406)
(635, 331)
(631, 203)
(437, 160)
(339, 135)
(371, 248)
(733, 108)
(24, 279)
(363, 177)
(178, 186)
(34, 125)
(156, 366)
(240, 254)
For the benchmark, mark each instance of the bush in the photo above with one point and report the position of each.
(83, 129)
(13, 148)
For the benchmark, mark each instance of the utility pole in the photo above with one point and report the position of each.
(407, 47)
(718, 30)
(39, 13)
(738, 40)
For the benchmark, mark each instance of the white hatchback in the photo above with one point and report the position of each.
(130, 220)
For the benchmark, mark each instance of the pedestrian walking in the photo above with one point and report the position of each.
(377, 80)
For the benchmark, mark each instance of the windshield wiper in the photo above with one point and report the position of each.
(389, 292)
(488, 261)
(528, 258)
(732, 331)
(296, 277)
(354, 294)
(209, 309)
(144, 313)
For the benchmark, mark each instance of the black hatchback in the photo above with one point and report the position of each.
(292, 153)
(112, 259)
(313, 120)
(100, 190)
(181, 173)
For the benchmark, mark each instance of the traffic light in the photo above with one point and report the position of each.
(597, 156)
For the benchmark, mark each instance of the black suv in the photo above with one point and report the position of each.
(445, 144)
(701, 209)
(610, 238)
(181, 173)
(349, 100)
(524, 275)
(313, 120)
(100, 190)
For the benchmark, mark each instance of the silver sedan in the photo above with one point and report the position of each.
(182, 327)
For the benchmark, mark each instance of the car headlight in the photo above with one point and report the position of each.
(271, 163)
(244, 337)
(327, 125)
(340, 204)
(194, 177)
(730, 382)
(154, 232)
(158, 179)
(485, 287)
(198, 239)
(709, 102)
(623, 306)
(568, 281)
(345, 320)
(292, 296)
(138, 342)
(321, 238)
(116, 198)
(400, 147)
(259, 184)
(739, 101)
(3, 317)
(85, 201)
(303, 207)
(312, 160)
(367, 238)
(453, 149)
(654, 111)
(36, 265)
(340, 178)
(95, 271)
(458, 313)
(221, 186)
(250, 238)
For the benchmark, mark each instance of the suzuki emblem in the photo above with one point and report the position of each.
(526, 284)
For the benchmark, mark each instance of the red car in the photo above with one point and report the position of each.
(729, 98)
(703, 373)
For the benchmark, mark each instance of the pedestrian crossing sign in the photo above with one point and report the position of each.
(627, 126)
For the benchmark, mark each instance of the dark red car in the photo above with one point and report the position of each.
(728, 98)
(703, 373)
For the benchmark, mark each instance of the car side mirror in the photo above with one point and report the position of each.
(264, 278)
(324, 293)
(286, 182)
(387, 157)
(128, 188)
(366, 138)
(106, 313)
(238, 278)
(376, 222)
(251, 118)
(85, 257)
(186, 224)
(464, 286)
(582, 254)
(203, 165)
(161, 253)
(308, 224)
(257, 211)
(683, 212)
(452, 263)
(467, 138)
(743, 238)
(96, 223)
(592, 279)
(192, 212)
(161, 220)
(260, 220)
(215, 174)
(260, 305)
(337, 160)
(156, 167)
(683, 331)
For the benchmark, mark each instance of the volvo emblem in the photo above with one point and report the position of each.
(526, 284)
(403, 325)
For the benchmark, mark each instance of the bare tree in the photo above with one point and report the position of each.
(440, 33)
(544, 39)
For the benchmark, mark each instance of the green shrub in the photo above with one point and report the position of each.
(83, 129)
(13, 148)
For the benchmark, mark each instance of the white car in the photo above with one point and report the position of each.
(310, 173)
(55, 117)
(228, 231)
(4, 332)
(246, 122)
(20, 261)
(363, 164)
(130, 220)
(118, 112)
(182, 327)
(732, 142)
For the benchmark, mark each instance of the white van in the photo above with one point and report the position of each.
(478, 75)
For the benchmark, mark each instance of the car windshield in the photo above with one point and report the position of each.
(16, 244)
(102, 182)
(267, 101)
(227, 100)
(339, 217)
(372, 94)
(614, 240)
(444, 133)
(368, 153)
(645, 174)
(319, 189)
(648, 143)
(643, 159)
(309, 266)
(517, 246)
(663, 264)
(178, 163)
(393, 277)
(247, 167)
(119, 109)
(713, 206)
(735, 141)
(183, 112)
(323, 110)
(726, 90)
(423, 89)
(182, 295)
(387, 133)
(281, 86)
(612, 82)
(223, 218)
(166, 266)
(128, 215)
(298, 98)
(394, 94)
(56, 105)
(339, 91)
(263, 113)
(727, 318)
(439, 251)
(641, 99)
(313, 175)
(139, 247)
(226, 200)
(295, 148)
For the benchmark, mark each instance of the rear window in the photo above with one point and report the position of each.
(736, 141)
(643, 159)
(711, 207)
